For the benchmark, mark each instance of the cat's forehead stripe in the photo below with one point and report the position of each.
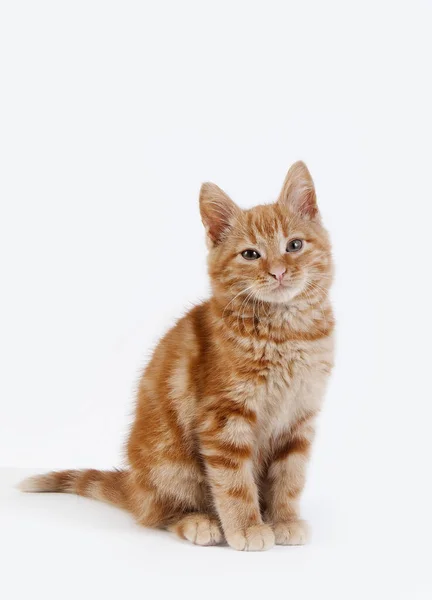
(268, 224)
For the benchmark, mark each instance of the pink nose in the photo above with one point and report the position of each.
(278, 273)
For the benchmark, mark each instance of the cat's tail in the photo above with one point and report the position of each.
(108, 486)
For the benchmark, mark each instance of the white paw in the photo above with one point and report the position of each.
(254, 538)
(203, 531)
(291, 533)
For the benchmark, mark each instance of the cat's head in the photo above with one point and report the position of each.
(274, 253)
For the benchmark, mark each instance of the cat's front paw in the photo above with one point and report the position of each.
(253, 538)
(291, 533)
(199, 529)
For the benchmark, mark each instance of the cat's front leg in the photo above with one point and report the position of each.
(226, 444)
(286, 479)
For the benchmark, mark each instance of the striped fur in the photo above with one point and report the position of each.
(226, 407)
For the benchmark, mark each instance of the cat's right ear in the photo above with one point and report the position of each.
(218, 212)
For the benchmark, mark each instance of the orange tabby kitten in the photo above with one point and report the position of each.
(226, 408)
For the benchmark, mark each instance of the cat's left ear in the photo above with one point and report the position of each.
(218, 212)
(298, 192)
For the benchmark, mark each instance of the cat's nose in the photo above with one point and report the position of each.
(278, 273)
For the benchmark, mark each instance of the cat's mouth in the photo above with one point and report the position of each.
(285, 285)
(281, 292)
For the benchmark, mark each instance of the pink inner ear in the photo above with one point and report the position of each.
(298, 191)
(301, 199)
(307, 203)
(216, 229)
(217, 211)
(217, 220)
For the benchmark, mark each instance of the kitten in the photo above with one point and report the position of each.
(226, 408)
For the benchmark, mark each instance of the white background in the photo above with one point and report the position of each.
(111, 116)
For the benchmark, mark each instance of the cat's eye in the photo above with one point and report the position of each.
(294, 246)
(250, 254)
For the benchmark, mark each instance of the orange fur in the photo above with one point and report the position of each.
(225, 410)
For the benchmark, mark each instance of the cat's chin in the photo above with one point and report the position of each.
(279, 295)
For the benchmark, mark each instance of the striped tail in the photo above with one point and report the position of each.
(107, 486)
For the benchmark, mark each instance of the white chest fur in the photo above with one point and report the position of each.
(294, 387)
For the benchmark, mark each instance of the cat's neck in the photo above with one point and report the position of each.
(302, 317)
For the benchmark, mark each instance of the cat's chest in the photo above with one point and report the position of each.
(292, 385)
(277, 400)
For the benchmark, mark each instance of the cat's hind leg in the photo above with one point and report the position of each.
(198, 528)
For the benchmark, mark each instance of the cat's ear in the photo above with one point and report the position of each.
(218, 211)
(298, 192)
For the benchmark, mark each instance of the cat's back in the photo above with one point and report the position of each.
(167, 393)
(172, 377)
